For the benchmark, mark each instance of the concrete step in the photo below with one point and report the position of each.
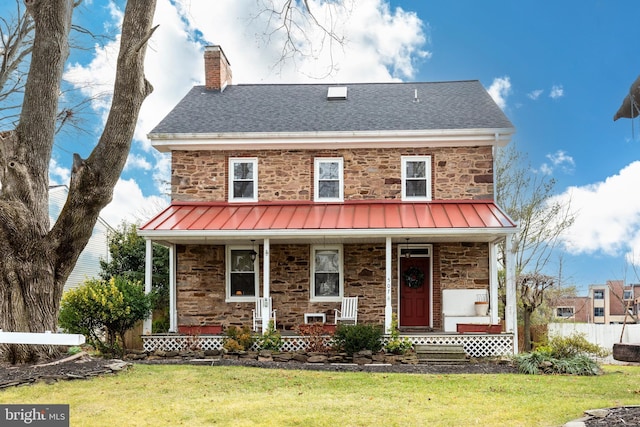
(440, 353)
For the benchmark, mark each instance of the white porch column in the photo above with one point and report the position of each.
(493, 282)
(173, 311)
(511, 308)
(148, 274)
(266, 291)
(388, 311)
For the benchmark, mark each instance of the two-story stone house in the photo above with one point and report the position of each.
(308, 193)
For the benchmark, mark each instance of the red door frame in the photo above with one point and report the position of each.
(417, 251)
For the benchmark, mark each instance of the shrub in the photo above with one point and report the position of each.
(396, 345)
(575, 345)
(99, 309)
(238, 339)
(354, 338)
(542, 362)
(271, 339)
(563, 355)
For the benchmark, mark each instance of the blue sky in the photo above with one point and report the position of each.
(559, 70)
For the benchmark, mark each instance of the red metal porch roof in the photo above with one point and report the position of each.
(352, 215)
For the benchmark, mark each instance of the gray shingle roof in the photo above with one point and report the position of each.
(305, 108)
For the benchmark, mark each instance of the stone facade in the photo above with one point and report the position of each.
(458, 173)
(201, 288)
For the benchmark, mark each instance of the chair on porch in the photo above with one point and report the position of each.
(263, 304)
(348, 310)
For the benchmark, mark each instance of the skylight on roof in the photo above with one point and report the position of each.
(336, 93)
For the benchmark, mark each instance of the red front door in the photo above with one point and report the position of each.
(415, 291)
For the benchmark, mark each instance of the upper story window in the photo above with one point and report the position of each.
(628, 294)
(326, 273)
(329, 183)
(242, 274)
(598, 311)
(416, 178)
(598, 294)
(243, 180)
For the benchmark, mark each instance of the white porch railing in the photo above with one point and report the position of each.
(475, 345)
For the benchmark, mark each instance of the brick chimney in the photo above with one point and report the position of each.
(217, 70)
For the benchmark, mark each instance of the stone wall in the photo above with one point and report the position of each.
(200, 282)
(369, 174)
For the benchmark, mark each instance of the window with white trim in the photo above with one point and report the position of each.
(328, 179)
(416, 178)
(243, 180)
(326, 273)
(598, 311)
(242, 274)
(566, 312)
(628, 294)
(598, 294)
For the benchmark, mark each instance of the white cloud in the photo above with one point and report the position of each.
(558, 160)
(556, 92)
(607, 216)
(135, 161)
(535, 94)
(499, 90)
(381, 44)
(130, 205)
(58, 175)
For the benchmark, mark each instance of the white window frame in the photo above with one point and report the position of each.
(316, 179)
(427, 170)
(236, 160)
(600, 292)
(627, 294)
(598, 308)
(312, 291)
(564, 307)
(228, 273)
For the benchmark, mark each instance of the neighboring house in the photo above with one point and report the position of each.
(308, 193)
(88, 264)
(575, 309)
(605, 304)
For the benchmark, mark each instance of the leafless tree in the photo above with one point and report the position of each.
(35, 260)
(526, 196)
(531, 289)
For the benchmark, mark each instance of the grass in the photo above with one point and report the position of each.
(157, 395)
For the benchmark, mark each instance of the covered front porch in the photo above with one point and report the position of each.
(222, 258)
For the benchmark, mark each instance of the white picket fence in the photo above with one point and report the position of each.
(602, 335)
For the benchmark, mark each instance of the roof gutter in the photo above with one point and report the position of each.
(165, 142)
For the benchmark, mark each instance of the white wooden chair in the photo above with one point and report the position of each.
(348, 311)
(257, 312)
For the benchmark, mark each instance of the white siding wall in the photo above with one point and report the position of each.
(88, 265)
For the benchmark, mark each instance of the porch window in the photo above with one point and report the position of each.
(328, 185)
(416, 178)
(242, 274)
(565, 312)
(243, 180)
(598, 311)
(326, 277)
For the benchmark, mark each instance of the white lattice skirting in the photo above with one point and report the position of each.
(475, 345)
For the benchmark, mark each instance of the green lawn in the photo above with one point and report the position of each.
(161, 395)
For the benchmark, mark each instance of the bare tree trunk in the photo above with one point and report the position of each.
(34, 260)
(527, 329)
